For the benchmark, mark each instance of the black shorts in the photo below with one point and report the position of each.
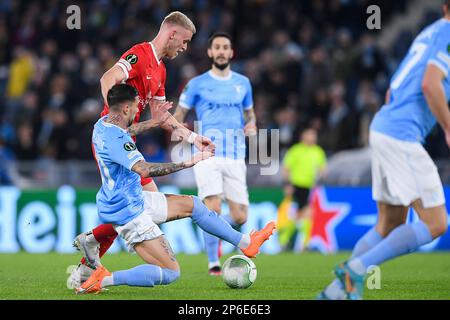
(301, 196)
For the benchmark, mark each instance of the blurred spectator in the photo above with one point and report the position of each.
(286, 122)
(24, 146)
(292, 51)
(342, 122)
(6, 157)
(369, 60)
(368, 102)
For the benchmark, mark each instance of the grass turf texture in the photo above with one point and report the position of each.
(282, 277)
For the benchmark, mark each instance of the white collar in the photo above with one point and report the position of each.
(228, 77)
(154, 52)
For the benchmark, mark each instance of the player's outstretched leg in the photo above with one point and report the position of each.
(402, 240)
(389, 218)
(335, 290)
(161, 269)
(211, 222)
(213, 247)
(212, 243)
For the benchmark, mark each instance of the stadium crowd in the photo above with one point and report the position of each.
(311, 63)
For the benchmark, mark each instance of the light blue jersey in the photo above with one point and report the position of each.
(120, 198)
(219, 104)
(407, 116)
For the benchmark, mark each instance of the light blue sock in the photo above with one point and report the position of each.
(366, 242)
(145, 275)
(212, 223)
(402, 240)
(335, 291)
(211, 247)
(212, 242)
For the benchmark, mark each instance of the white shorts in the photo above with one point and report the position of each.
(145, 226)
(403, 172)
(222, 176)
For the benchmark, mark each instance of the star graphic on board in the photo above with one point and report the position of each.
(325, 217)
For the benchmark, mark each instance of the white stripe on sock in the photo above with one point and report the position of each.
(160, 275)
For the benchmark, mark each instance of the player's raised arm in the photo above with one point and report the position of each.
(160, 115)
(181, 133)
(180, 113)
(433, 91)
(148, 169)
(111, 77)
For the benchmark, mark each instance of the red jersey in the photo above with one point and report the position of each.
(145, 72)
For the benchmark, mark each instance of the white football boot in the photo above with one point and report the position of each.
(89, 247)
(78, 275)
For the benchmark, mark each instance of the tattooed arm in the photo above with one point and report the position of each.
(148, 169)
(140, 127)
(160, 114)
(181, 133)
(250, 122)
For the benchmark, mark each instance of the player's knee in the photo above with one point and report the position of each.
(239, 214)
(439, 224)
(385, 228)
(169, 275)
(240, 219)
(213, 203)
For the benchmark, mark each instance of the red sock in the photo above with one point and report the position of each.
(105, 234)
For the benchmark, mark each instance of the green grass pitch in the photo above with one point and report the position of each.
(285, 276)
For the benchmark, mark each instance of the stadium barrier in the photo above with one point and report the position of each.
(40, 221)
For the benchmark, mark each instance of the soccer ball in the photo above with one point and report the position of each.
(239, 272)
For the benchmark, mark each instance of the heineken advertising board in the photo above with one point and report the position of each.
(40, 221)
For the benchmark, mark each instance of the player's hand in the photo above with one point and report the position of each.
(160, 111)
(204, 144)
(198, 157)
(250, 129)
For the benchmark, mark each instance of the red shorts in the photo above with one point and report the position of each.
(144, 181)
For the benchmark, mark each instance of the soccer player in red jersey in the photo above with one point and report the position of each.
(142, 67)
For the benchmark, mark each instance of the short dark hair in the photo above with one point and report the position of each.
(119, 94)
(220, 34)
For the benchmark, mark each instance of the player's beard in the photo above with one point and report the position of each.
(220, 66)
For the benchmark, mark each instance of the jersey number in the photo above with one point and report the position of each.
(106, 177)
(417, 51)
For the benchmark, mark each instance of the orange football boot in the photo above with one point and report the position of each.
(257, 238)
(94, 283)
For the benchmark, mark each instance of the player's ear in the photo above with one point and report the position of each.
(172, 34)
(209, 53)
(232, 54)
(126, 108)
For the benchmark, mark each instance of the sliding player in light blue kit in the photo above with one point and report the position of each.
(223, 102)
(403, 174)
(135, 214)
